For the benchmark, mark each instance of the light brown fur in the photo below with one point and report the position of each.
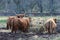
(51, 25)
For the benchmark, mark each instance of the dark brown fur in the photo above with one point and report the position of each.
(10, 21)
(11, 18)
(21, 24)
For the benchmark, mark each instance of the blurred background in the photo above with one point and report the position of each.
(35, 9)
(12, 7)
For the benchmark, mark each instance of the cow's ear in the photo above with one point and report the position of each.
(55, 20)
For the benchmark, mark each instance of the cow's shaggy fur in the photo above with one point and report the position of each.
(51, 25)
(21, 24)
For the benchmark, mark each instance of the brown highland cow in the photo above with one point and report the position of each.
(21, 23)
(51, 25)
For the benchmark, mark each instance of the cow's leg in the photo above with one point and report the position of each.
(7, 26)
(12, 30)
(49, 30)
(10, 26)
(54, 30)
(16, 29)
(46, 29)
(26, 29)
(9, 23)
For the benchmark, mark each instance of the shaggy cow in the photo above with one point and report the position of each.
(51, 25)
(10, 21)
(21, 23)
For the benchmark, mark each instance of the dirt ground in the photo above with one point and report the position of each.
(7, 35)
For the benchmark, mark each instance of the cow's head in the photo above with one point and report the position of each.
(20, 15)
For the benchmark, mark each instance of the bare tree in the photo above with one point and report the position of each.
(40, 5)
(52, 7)
(32, 4)
(17, 2)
